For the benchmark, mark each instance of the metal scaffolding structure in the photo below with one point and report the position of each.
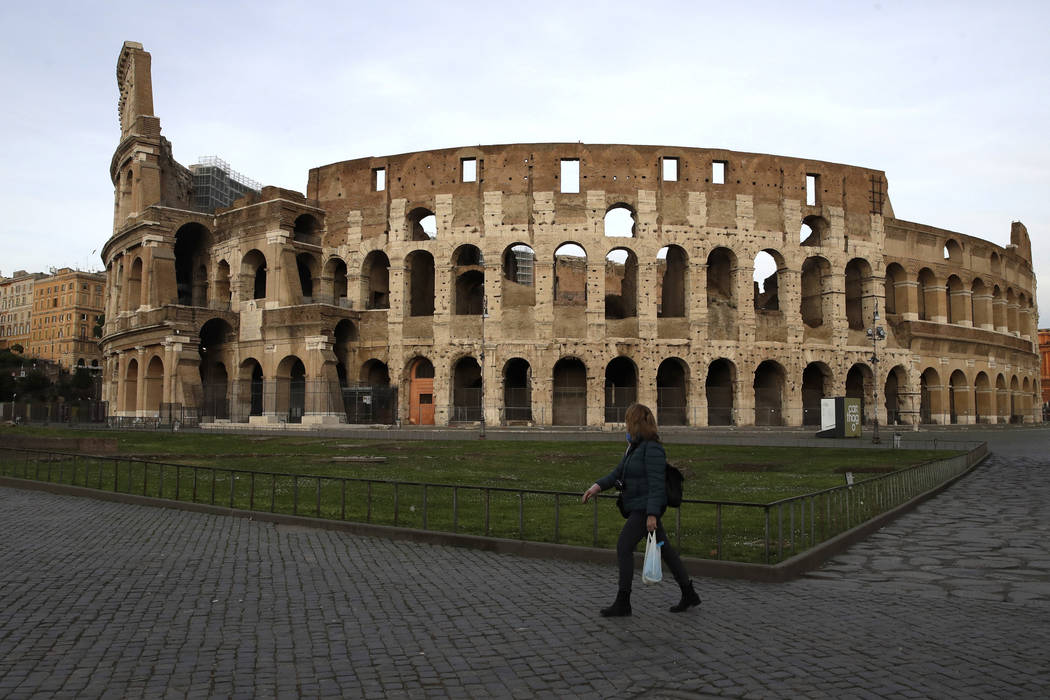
(216, 184)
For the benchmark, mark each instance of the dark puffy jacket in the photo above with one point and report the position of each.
(643, 475)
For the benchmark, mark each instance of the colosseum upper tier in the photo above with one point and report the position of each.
(552, 284)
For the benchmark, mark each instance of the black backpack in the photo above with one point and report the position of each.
(673, 485)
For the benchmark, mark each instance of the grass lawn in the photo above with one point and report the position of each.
(715, 473)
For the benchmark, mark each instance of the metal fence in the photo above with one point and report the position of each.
(74, 412)
(737, 531)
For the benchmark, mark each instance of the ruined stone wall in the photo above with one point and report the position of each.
(390, 264)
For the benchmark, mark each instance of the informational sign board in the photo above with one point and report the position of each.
(840, 417)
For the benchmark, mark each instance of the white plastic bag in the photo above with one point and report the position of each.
(652, 570)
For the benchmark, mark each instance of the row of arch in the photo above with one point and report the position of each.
(952, 300)
(981, 304)
(245, 390)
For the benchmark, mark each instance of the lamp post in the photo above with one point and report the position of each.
(876, 333)
(484, 315)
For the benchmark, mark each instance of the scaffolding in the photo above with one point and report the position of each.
(525, 259)
(216, 184)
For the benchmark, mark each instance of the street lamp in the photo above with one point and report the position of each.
(876, 333)
(484, 315)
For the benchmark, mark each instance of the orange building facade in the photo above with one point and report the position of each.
(1044, 356)
(66, 307)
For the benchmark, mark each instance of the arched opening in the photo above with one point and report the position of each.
(222, 286)
(570, 275)
(769, 393)
(671, 392)
(895, 290)
(253, 274)
(959, 410)
(858, 386)
(927, 295)
(981, 305)
(421, 392)
(621, 284)
(672, 267)
(371, 398)
(984, 399)
(858, 276)
(619, 221)
(291, 389)
(896, 379)
(419, 273)
(154, 385)
(766, 282)
(192, 243)
(306, 230)
(721, 378)
(1015, 404)
(816, 385)
(953, 300)
(998, 309)
(930, 397)
(953, 251)
(814, 273)
(813, 231)
(345, 349)
(1011, 311)
(335, 275)
(721, 295)
(134, 293)
(215, 336)
(375, 280)
(466, 390)
(305, 264)
(422, 224)
(468, 273)
(518, 281)
(621, 388)
(517, 391)
(569, 406)
(1002, 400)
(250, 391)
(131, 387)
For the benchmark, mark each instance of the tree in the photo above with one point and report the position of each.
(17, 348)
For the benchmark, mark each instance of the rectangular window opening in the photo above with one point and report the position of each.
(670, 170)
(379, 179)
(470, 169)
(570, 175)
(718, 172)
(812, 183)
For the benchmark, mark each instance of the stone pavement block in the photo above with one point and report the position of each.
(119, 600)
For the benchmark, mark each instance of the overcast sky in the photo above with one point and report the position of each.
(950, 99)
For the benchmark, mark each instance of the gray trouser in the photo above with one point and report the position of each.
(632, 533)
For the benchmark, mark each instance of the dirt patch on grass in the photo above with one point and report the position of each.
(865, 470)
(751, 467)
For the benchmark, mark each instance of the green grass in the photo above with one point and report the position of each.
(500, 471)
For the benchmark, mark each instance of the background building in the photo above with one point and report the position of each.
(16, 308)
(553, 284)
(67, 305)
(1044, 355)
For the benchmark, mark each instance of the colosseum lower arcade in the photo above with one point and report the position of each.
(552, 284)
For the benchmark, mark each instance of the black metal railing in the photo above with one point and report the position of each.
(738, 531)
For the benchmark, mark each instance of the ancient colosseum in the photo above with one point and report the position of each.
(551, 284)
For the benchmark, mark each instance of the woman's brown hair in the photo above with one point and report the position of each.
(641, 423)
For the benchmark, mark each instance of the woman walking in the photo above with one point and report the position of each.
(640, 476)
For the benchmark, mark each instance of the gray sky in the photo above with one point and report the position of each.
(950, 99)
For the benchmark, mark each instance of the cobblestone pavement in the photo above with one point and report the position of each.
(101, 599)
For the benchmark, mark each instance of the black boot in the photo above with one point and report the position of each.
(622, 606)
(689, 598)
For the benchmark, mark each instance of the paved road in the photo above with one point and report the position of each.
(100, 599)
